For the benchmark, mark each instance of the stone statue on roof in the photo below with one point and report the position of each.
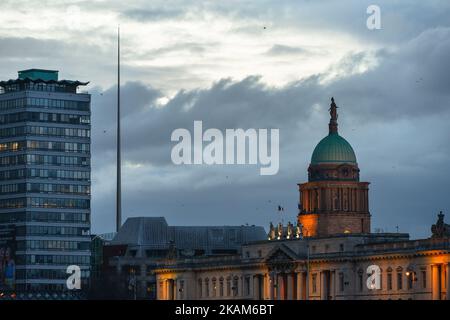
(280, 231)
(289, 230)
(271, 231)
(440, 229)
(299, 230)
(333, 110)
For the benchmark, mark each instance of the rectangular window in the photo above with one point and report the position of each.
(314, 283)
(341, 282)
(399, 281)
(389, 281)
(410, 280)
(247, 286)
(424, 279)
(200, 288)
(221, 288)
(360, 282)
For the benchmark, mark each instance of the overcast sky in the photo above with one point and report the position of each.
(251, 64)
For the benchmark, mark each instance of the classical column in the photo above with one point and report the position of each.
(307, 284)
(436, 288)
(279, 277)
(170, 289)
(300, 286)
(240, 292)
(290, 286)
(167, 290)
(159, 290)
(447, 269)
(266, 282)
(323, 286)
(256, 287)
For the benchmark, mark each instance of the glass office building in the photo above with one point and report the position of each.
(44, 182)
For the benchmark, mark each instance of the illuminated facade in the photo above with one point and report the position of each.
(334, 201)
(142, 242)
(329, 255)
(45, 178)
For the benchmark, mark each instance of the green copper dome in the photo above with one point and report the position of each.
(333, 149)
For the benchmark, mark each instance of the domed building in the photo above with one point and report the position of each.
(330, 254)
(333, 201)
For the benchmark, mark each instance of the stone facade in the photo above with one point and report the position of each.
(331, 255)
(332, 268)
(334, 207)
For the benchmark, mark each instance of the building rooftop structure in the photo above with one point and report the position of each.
(40, 80)
(153, 233)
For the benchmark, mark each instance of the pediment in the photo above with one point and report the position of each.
(281, 253)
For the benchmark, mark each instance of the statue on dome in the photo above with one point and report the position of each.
(333, 110)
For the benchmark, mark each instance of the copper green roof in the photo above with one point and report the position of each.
(333, 149)
(35, 74)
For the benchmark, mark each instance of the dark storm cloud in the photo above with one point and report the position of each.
(408, 83)
(138, 98)
(403, 97)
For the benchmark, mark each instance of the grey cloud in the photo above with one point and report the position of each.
(374, 106)
(152, 15)
(279, 49)
(250, 103)
(190, 47)
(28, 47)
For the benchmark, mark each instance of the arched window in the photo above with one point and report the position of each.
(389, 279)
(200, 288)
(228, 286)
(206, 287)
(360, 280)
(221, 286)
(399, 278)
(214, 287)
(235, 287)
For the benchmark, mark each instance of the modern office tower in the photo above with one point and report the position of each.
(44, 182)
